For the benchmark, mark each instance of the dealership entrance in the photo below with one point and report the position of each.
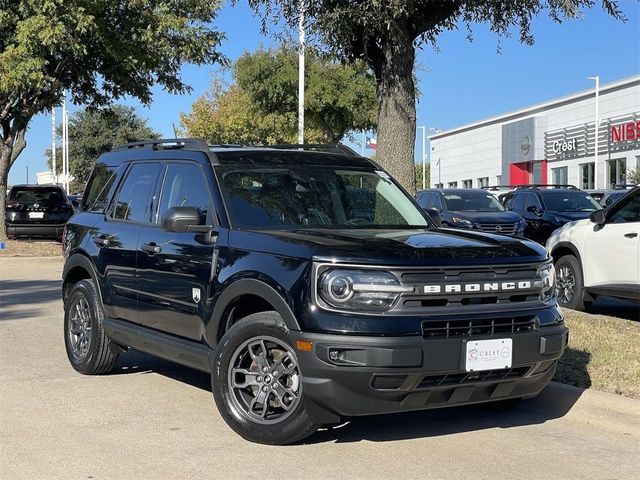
(524, 173)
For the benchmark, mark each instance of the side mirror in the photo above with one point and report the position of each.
(184, 219)
(434, 215)
(532, 209)
(598, 217)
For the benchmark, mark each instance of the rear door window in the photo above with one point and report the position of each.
(533, 201)
(135, 200)
(517, 201)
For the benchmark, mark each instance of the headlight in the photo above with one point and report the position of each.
(462, 222)
(359, 289)
(547, 275)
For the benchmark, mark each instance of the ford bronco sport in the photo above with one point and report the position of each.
(308, 283)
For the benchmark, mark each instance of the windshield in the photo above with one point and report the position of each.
(570, 202)
(472, 202)
(315, 197)
(42, 195)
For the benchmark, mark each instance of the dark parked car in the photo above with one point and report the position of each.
(547, 207)
(309, 285)
(471, 209)
(75, 200)
(37, 211)
(611, 196)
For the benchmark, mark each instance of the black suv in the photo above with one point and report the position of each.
(37, 211)
(471, 209)
(548, 207)
(309, 284)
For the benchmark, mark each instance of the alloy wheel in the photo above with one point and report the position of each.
(80, 328)
(264, 380)
(565, 284)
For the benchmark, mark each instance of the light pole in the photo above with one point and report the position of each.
(54, 174)
(301, 76)
(434, 130)
(424, 156)
(596, 131)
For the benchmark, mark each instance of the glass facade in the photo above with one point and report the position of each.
(560, 176)
(616, 172)
(587, 171)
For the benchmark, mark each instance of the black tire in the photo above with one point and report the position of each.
(92, 356)
(295, 424)
(569, 283)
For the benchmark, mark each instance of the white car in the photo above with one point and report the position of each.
(599, 255)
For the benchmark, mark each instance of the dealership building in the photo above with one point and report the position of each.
(551, 142)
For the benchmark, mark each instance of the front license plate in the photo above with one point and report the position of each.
(36, 214)
(488, 354)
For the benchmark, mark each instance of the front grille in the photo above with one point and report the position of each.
(477, 327)
(501, 228)
(439, 380)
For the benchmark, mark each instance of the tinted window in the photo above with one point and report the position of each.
(472, 202)
(517, 201)
(436, 202)
(135, 197)
(570, 202)
(184, 186)
(45, 196)
(629, 211)
(533, 201)
(424, 200)
(315, 196)
(100, 187)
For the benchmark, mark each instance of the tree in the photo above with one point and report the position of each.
(338, 98)
(385, 34)
(99, 51)
(94, 132)
(261, 106)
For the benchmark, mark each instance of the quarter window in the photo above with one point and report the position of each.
(137, 194)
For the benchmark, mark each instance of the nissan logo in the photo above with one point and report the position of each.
(498, 228)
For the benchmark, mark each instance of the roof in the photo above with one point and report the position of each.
(541, 107)
(454, 190)
(274, 157)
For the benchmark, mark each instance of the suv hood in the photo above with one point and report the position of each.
(487, 217)
(391, 247)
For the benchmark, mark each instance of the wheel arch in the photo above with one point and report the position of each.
(242, 298)
(565, 248)
(78, 267)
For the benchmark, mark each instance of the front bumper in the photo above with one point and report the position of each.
(394, 374)
(35, 230)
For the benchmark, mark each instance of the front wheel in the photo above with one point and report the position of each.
(569, 283)
(256, 382)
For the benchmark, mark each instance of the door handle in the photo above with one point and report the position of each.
(631, 235)
(151, 248)
(101, 241)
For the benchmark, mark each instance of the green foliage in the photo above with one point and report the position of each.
(261, 107)
(419, 175)
(94, 132)
(338, 98)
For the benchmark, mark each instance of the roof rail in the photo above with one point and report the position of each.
(624, 186)
(543, 185)
(318, 147)
(196, 144)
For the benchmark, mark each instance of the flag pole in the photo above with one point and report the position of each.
(301, 76)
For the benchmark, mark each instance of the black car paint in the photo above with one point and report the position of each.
(149, 294)
(475, 218)
(542, 223)
(55, 216)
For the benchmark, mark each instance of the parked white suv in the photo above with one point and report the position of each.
(599, 255)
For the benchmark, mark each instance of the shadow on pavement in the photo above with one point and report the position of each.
(552, 403)
(16, 293)
(615, 307)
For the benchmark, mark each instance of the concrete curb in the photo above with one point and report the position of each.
(605, 410)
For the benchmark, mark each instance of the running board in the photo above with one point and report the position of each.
(178, 350)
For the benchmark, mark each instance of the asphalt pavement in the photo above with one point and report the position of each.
(152, 419)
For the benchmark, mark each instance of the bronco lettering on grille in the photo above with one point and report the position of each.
(482, 287)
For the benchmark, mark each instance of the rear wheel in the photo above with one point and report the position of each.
(256, 382)
(569, 283)
(84, 338)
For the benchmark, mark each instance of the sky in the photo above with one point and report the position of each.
(459, 82)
